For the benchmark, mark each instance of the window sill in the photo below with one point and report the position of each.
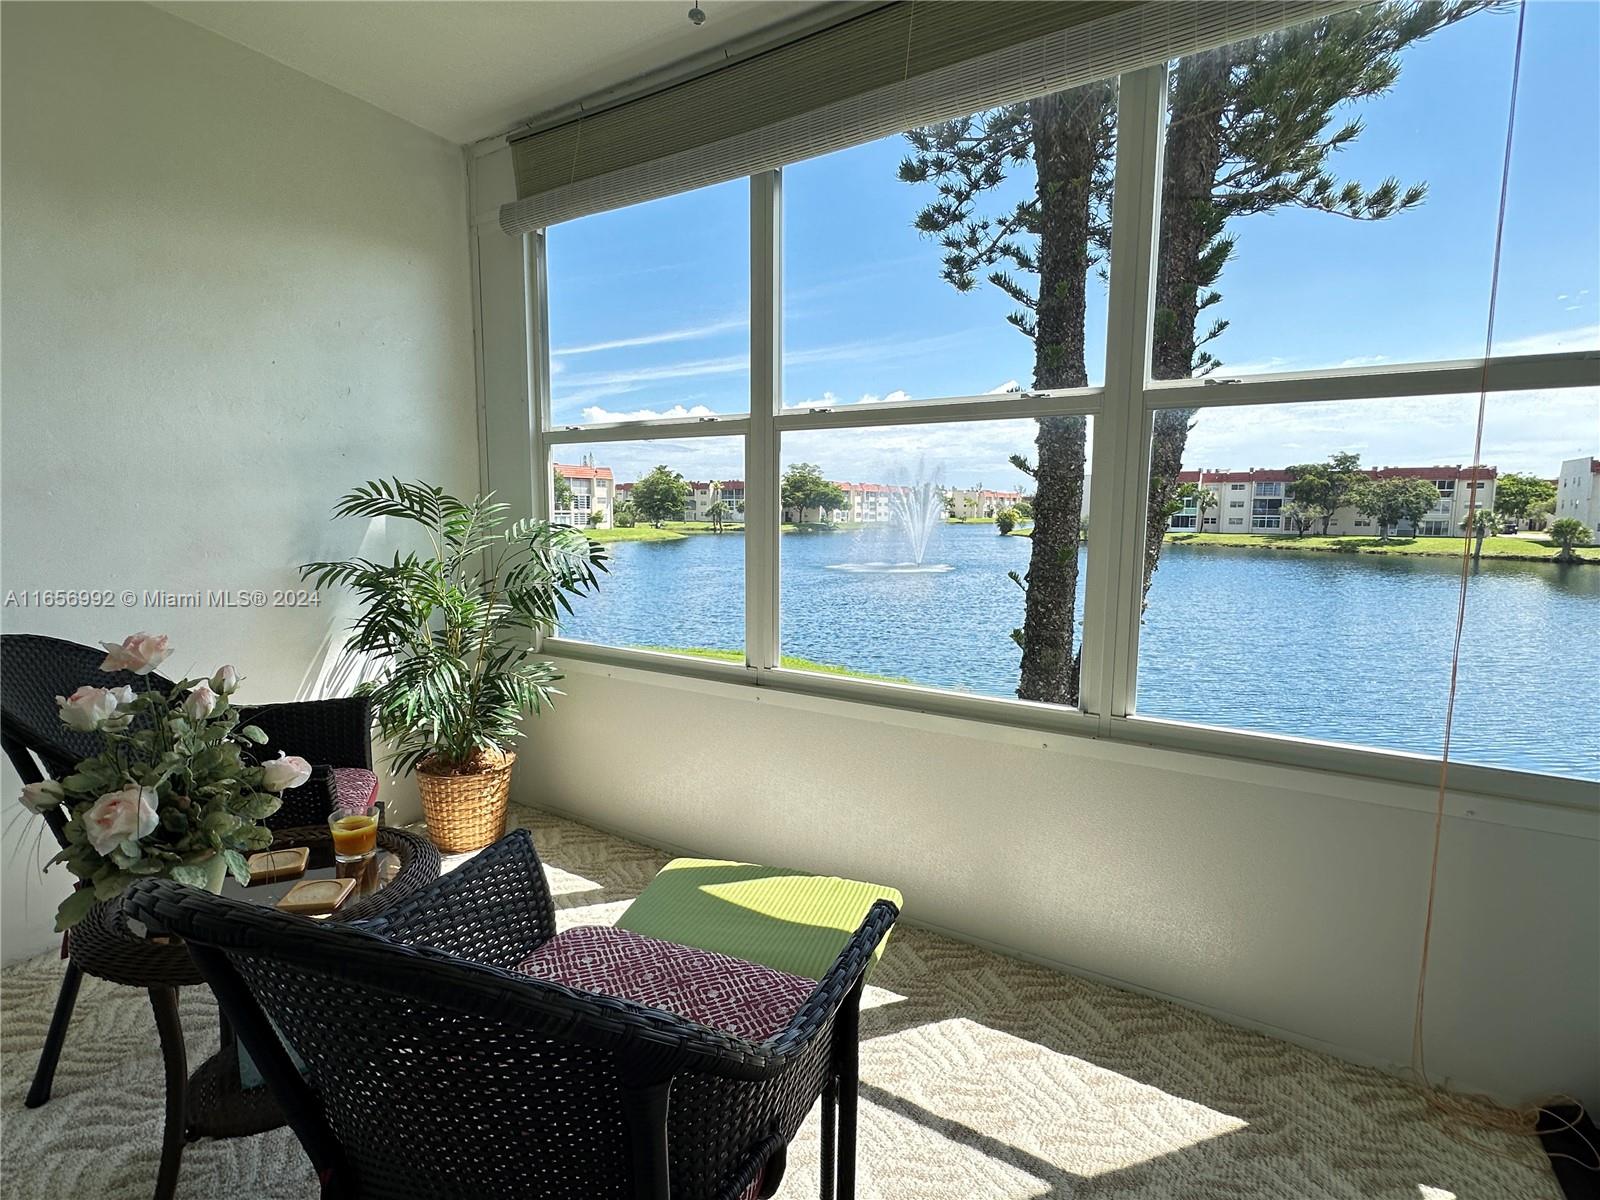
(1546, 803)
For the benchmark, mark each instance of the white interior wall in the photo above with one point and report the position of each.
(1289, 900)
(231, 292)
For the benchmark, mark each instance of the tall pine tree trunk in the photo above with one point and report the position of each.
(1066, 133)
(1189, 223)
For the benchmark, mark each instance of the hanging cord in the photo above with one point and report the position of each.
(1453, 1107)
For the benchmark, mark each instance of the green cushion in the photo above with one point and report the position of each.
(786, 920)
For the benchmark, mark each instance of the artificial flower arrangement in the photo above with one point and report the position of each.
(175, 790)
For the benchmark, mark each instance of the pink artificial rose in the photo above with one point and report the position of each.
(225, 680)
(140, 653)
(89, 708)
(118, 817)
(279, 774)
(200, 703)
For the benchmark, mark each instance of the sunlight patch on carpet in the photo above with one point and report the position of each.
(1081, 1119)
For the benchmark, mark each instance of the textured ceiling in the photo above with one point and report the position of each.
(467, 69)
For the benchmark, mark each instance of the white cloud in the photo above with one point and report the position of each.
(691, 369)
(1524, 431)
(1584, 337)
(595, 415)
(686, 334)
(833, 400)
(1010, 385)
(826, 400)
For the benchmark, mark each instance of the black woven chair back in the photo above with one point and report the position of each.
(335, 732)
(415, 1090)
(34, 670)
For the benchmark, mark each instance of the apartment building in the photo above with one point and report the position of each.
(593, 491)
(1578, 492)
(979, 501)
(868, 503)
(1252, 501)
(704, 493)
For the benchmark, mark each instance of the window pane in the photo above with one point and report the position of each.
(650, 309)
(1347, 636)
(670, 514)
(1550, 265)
(893, 564)
(873, 302)
(1284, 245)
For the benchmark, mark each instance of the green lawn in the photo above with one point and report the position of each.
(790, 661)
(674, 531)
(1527, 549)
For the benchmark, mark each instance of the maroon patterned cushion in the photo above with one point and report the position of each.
(737, 997)
(356, 788)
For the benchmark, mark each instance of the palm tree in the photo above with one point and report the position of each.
(1567, 533)
(717, 512)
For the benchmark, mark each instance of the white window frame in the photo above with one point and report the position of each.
(1121, 409)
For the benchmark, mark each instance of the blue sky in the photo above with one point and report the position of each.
(649, 307)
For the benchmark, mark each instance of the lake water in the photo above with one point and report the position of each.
(1345, 648)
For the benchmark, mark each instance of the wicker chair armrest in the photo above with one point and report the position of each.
(337, 732)
(494, 909)
(654, 1043)
(847, 973)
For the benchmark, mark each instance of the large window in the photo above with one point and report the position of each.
(891, 358)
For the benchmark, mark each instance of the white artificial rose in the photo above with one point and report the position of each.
(281, 773)
(225, 680)
(41, 797)
(118, 817)
(200, 703)
(88, 708)
(140, 653)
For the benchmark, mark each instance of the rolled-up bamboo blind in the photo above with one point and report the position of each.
(889, 69)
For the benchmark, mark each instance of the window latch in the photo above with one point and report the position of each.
(1210, 382)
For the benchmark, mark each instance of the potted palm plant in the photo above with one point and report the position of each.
(452, 634)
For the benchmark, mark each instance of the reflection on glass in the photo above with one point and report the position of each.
(671, 516)
(904, 549)
(1310, 571)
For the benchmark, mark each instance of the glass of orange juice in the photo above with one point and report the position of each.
(355, 833)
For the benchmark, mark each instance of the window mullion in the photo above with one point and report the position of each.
(1122, 432)
(536, 295)
(761, 441)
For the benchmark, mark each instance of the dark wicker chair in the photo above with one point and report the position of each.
(434, 1070)
(34, 670)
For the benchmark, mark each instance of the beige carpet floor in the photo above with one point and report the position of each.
(982, 1078)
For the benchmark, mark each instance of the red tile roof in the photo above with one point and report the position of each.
(569, 472)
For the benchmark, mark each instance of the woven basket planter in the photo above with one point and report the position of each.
(466, 812)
